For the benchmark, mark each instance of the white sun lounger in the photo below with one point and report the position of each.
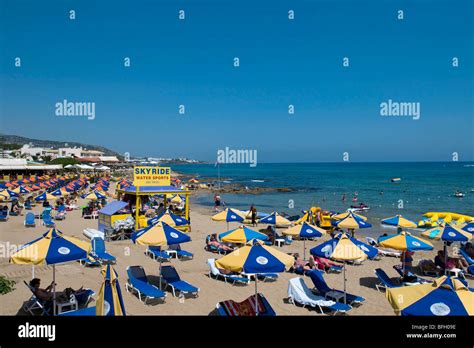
(298, 292)
(215, 273)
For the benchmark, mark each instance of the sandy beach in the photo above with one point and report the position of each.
(360, 279)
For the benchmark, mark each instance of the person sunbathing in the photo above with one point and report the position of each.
(300, 263)
(213, 242)
(326, 263)
(47, 294)
(448, 263)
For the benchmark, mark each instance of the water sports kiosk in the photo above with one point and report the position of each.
(112, 212)
(149, 182)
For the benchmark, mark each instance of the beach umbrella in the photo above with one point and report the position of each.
(468, 227)
(109, 300)
(275, 219)
(176, 199)
(21, 190)
(344, 248)
(193, 181)
(447, 233)
(346, 214)
(44, 197)
(351, 222)
(58, 193)
(170, 218)
(404, 241)
(10, 194)
(241, 235)
(159, 235)
(94, 195)
(52, 248)
(256, 258)
(229, 215)
(446, 296)
(304, 231)
(399, 221)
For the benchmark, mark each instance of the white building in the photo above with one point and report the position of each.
(29, 150)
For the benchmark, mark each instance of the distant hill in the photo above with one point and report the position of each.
(8, 140)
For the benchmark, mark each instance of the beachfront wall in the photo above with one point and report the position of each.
(108, 215)
(166, 191)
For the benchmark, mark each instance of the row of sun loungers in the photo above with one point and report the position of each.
(139, 283)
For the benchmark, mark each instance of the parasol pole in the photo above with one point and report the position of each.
(345, 297)
(304, 249)
(256, 295)
(445, 248)
(54, 290)
(160, 271)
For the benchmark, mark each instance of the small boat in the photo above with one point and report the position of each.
(396, 179)
(458, 194)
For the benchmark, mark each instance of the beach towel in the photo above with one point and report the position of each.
(244, 308)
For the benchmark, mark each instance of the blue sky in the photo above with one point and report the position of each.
(283, 62)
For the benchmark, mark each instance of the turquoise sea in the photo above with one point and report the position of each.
(423, 187)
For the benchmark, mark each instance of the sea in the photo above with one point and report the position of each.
(423, 187)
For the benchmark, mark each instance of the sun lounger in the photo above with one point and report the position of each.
(182, 254)
(172, 280)
(60, 213)
(138, 282)
(418, 280)
(30, 220)
(262, 276)
(215, 249)
(99, 252)
(215, 273)
(3, 214)
(464, 254)
(298, 292)
(245, 308)
(84, 312)
(322, 287)
(47, 221)
(90, 262)
(35, 303)
(157, 254)
(385, 281)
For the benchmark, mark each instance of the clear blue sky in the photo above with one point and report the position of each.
(282, 62)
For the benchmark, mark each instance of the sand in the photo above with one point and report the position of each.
(360, 279)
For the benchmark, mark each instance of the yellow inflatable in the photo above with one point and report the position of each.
(437, 218)
(455, 216)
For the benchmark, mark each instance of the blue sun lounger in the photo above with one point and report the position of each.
(48, 221)
(419, 280)
(323, 288)
(215, 273)
(138, 282)
(157, 254)
(469, 260)
(298, 292)
(99, 252)
(385, 281)
(84, 312)
(30, 220)
(172, 280)
(3, 214)
(183, 254)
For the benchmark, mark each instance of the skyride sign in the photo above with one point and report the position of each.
(151, 176)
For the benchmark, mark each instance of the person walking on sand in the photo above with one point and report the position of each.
(253, 212)
(217, 202)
